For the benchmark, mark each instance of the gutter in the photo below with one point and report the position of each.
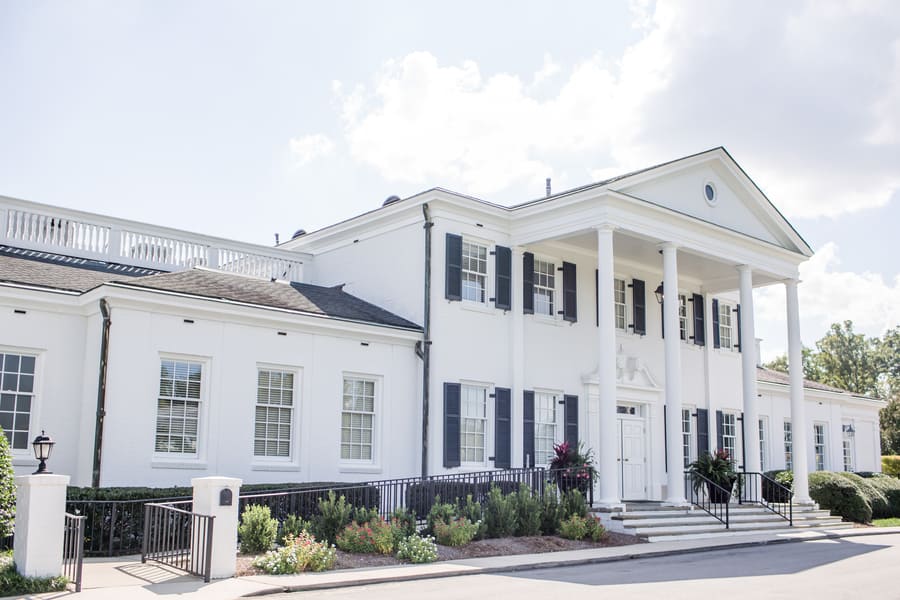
(423, 348)
(101, 391)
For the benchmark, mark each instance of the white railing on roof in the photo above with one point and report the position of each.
(74, 233)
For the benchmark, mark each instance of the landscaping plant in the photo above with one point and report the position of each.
(457, 532)
(550, 510)
(292, 526)
(301, 553)
(578, 528)
(334, 515)
(441, 512)
(500, 514)
(416, 549)
(529, 513)
(257, 530)
(374, 537)
(14, 584)
(471, 510)
(573, 503)
(7, 489)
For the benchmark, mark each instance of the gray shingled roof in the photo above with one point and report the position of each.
(302, 297)
(770, 376)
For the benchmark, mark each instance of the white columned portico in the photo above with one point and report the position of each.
(608, 481)
(517, 358)
(748, 371)
(798, 410)
(674, 447)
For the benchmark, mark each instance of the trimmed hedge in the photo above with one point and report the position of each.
(890, 465)
(890, 487)
(773, 493)
(840, 495)
(874, 497)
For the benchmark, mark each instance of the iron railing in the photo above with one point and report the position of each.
(113, 527)
(178, 538)
(751, 488)
(709, 496)
(73, 549)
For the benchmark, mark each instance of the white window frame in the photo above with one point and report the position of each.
(25, 456)
(552, 291)
(848, 452)
(820, 446)
(729, 421)
(468, 423)
(552, 399)
(620, 292)
(729, 310)
(292, 460)
(687, 435)
(475, 275)
(191, 458)
(763, 426)
(373, 462)
(788, 445)
(683, 317)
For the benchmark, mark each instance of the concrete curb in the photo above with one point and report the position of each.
(551, 564)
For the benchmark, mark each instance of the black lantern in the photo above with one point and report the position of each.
(659, 293)
(42, 445)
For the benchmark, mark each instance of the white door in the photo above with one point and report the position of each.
(632, 463)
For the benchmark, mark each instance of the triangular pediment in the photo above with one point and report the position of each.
(630, 371)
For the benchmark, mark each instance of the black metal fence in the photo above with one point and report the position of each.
(177, 537)
(73, 549)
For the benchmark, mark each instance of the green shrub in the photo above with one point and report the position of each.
(293, 526)
(457, 532)
(578, 528)
(872, 494)
(440, 512)
(890, 487)
(528, 512)
(773, 493)
(573, 503)
(364, 515)
(334, 515)
(257, 530)
(374, 537)
(14, 584)
(302, 553)
(417, 549)
(7, 489)
(839, 495)
(404, 523)
(499, 514)
(551, 511)
(890, 465)
(471, 510)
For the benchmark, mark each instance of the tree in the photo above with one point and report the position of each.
(848, 360)
(810, 366)
(890, 426)
(7, 488)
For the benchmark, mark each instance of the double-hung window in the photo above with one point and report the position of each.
(16, 397)
(729, 434)
(726, 329)
(178, 406)
(473, 424)
(788, 446)
(546, 418)
(687, 435)
(544, 287)
(274, 415)
(358, 419)
(849, 465)
(762, 445)
(474, 272)
(682, 317)
(619, 304)
(819, 445)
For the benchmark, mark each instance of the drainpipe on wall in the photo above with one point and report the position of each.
(424, 350)
(101, 391)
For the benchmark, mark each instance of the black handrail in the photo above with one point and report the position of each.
(714, 502)
(759, 488)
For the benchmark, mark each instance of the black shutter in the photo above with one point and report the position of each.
(454, 267)
(699, 322)
(597, 295)
(665, 440)
(662, 318)
(571, 419)
(719, 441)
(717, 343)
(570, 295)
(503, 277)
(528, 428)
(739, 328)
(528, 283)
(451, 424)
(639, 306)
(502, 428)
(702, 431)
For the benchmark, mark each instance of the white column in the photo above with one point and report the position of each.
(608, 480)
(674, 447)
(799, 425)
(748, 371)
(40, 518)
(207, 501)
(517, 357)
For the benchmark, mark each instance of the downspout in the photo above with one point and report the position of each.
(424, 348)
(101, 391)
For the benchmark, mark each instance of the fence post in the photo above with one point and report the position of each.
(209, 500)
(40, 524)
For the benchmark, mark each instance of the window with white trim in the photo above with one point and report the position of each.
(788, 446)
(358, 419)
(178, 406)
(763, 455)
(819, 445)
(619, 304)
(849, 462)
(729, 434)
(473, 424)
(274, 414)
(682, 317)
(544, 287)
(16, 398)
(687, 435)
(726, 329)
(474, 272)
(546, 416)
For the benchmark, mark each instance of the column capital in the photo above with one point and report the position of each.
(791, 281)
(604, 227)
(670, 246)
(744, 269)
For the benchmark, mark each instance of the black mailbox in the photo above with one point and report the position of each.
(225, 497)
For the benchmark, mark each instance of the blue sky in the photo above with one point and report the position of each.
(243, 119)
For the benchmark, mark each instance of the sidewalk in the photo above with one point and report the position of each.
(126, 577)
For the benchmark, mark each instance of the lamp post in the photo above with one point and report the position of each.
(43, 446)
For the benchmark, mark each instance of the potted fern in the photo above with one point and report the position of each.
(717, 471)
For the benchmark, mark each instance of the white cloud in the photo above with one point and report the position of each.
(310, 147)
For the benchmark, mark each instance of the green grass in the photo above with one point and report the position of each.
(893, 522)
(13, 584)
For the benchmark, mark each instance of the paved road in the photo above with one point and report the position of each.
(858, 567)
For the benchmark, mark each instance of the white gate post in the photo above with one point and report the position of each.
(211, 495)
(40, 522)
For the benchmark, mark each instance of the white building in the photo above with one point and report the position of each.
(489, 337)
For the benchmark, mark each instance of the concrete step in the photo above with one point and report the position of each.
(701, 519)
(696, 535)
